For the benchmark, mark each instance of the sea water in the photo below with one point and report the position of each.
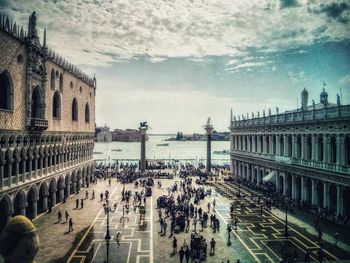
(184, 151)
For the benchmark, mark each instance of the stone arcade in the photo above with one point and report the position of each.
(305, 153)
(47, 113)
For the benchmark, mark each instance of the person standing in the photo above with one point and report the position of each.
(70, 225)
(214, 203)
(77, 204)
(93, 194)
(59, 216)
(101, 197)
(174, 245)
(86, 194)
(82, 203)
(212, 246)
(181, 253)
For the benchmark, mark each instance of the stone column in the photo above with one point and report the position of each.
(1, 174)
(303, 189)
(278, 187)
(30, 160)
(271, 144)
(22, 209)
(284, 184)
(325, 194)
(9, 172)
(24, 169)
(68, 189)
(340, 146)
(61, 193)
(326, 142)
(303, 147)
(17, 170)
(53, 198)
(35, 208)
(285, 137)
(45, 197)
(35, 166)
(313, 192)
(294, 196)
(208, 131)
(339, 199)
(278, 146)
(293, 145)
(264, 144)
(143, 149)
(313, 147)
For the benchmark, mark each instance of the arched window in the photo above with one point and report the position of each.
(56, 105)
(74, 110)
(87, 113)
(333, 149)
(53, 79)
(36, 105)
(61, 82)
(6, 91)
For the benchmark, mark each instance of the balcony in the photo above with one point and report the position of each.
(38, 124)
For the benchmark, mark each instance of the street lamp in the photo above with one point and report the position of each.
(286, 222)
(107, 236)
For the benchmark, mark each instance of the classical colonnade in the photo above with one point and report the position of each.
(331, 151)
(315, 192)
(37, 172)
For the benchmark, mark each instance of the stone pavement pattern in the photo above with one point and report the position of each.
(255, 240)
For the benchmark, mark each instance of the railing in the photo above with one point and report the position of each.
(38, 124)
(298, 161)
(297, 116)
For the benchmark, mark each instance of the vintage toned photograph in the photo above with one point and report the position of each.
(174, 131)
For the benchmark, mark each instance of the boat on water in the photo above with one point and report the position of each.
(117, 150)
(97, 153)
(222, 152)
(163, 144)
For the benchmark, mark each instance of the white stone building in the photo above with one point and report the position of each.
(305, 153)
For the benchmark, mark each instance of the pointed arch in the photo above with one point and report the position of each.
(56, 105)
(6, 91)
(74, 110)
(53, 79)
(36, 103)
(87, 113)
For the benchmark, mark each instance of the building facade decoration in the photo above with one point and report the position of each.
(45, 154)
(304, 153)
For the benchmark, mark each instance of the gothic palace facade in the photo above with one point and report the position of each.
(47, 116)
(305, 153)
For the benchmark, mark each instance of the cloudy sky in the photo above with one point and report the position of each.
(173, 63)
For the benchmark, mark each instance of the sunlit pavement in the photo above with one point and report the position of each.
(255, 240)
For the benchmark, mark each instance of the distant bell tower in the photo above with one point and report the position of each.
(304, 99)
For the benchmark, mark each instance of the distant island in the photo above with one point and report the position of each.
(103, 134)
(216, 136)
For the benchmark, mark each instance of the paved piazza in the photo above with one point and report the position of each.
(256, 239)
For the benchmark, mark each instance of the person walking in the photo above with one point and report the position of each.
(195, 224)
(77, 204)
(214, 203)
(70, 228)
(181, 253)
(187, 254)
(212, 246)
(82, 203)
(165, 225)
(86, 194)
(101, 197)
(93, 194)
(174, 245)
(208, 207)
(59, 216)
(66, 215)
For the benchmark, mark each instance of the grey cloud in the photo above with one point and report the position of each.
(288, 3)
(338, 11)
